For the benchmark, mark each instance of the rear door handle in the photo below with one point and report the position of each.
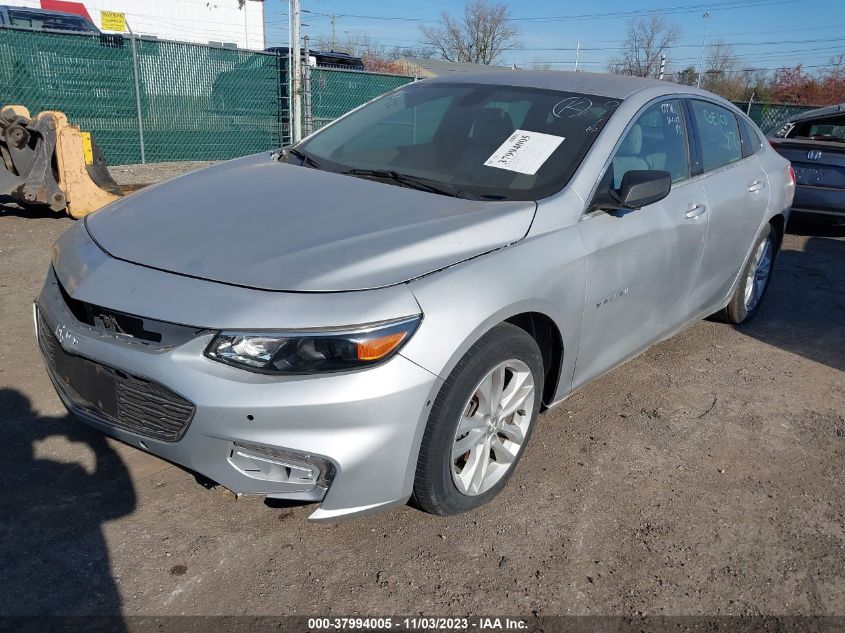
(696, 210)
(756, 185)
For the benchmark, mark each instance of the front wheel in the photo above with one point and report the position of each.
(753, 282)
(480, 422)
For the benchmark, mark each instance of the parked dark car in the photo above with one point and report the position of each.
(45, 20)
(815, 144)
(331, 59)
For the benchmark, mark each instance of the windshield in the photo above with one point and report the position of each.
(829, 129)
(469, 140)
(49, 21)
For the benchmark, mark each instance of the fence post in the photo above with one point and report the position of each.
(307, 120)
(138, 98)
(296, 66)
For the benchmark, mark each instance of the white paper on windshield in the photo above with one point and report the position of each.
(524, 151)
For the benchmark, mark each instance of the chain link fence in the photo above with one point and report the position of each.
(149, 98)
(770, 116)
(331, 93)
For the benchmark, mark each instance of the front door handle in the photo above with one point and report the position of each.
(756, 186)
(696, 210)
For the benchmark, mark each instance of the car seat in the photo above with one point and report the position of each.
(491, 128)
(629, 155)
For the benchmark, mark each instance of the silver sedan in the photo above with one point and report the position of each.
(382, 311)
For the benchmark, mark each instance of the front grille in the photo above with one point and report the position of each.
(128, 328)
(113, 396)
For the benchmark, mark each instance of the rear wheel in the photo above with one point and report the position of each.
(480, 422)
(753, 282)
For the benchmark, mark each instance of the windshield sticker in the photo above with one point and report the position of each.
(524, 152)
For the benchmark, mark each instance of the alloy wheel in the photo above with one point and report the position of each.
(493, 427)
(758, 274)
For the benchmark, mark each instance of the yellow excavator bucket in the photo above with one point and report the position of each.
(45, 160)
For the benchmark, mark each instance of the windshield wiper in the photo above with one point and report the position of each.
(411, 182)
(283, 154)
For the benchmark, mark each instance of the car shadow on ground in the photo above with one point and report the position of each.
(804, 310)
(52, 510)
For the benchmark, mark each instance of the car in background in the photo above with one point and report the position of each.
(814, 142)
(325, 59)
(45, 20)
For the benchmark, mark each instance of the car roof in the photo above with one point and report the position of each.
(821, 112)
(602, 84)
(337, 54)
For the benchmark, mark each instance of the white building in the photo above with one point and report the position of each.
(222, 22)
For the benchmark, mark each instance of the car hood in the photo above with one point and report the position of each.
(258, 223)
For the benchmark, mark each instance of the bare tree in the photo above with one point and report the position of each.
(540, 64)
(723, 73)
(375, 55)
(357, 43)
(721, 59)
(646, 40)
(480, 36)
(418, 52)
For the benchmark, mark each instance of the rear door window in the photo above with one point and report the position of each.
(751, 139)
(718, 132)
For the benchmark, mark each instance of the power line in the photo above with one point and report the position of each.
(692, 8)
(725, 5)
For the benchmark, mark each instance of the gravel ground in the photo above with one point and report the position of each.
(704, 477)
(154, 172)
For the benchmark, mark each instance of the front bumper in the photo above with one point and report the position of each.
(258, 434)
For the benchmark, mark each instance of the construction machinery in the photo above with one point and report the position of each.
(44, 160)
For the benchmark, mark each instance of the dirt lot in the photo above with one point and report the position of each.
(704, 477)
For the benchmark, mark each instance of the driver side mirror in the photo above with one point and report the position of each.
(642, 187)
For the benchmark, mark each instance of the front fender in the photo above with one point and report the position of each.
(544, 273)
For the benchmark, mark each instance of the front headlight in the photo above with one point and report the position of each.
(306, 352)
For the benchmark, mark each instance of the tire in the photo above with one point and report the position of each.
(745, 303)
(506, 355)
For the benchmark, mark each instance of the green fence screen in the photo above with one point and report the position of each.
(336, 92)
(196, 102)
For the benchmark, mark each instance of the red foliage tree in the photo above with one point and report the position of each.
(793, 85)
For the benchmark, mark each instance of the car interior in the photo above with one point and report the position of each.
(816, 130)
(453, 137)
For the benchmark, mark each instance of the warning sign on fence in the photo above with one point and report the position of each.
(113, 21)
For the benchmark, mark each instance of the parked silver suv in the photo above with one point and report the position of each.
(383, 310)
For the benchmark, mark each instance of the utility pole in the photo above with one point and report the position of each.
(577, 55)
(334, 19)
(296, 63)
(662, 66)
(706, 17)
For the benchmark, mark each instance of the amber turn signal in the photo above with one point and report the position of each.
(376, 348)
